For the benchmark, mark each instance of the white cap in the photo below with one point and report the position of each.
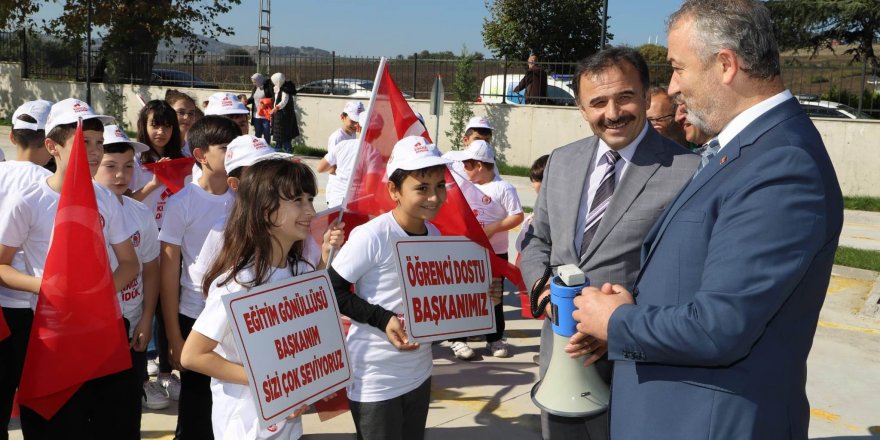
(225, 103)
(413, 153)
(114, 135)
(69, 111)
(247, 150)
(478, 122)
(478, 150)
(353, 109)
(38, 110)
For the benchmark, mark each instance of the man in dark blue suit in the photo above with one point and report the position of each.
(713, 341)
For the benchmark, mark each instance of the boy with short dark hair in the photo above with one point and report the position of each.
(189, 215)
(97, 409)
(139, 297)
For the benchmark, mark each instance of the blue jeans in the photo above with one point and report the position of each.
(262, 128)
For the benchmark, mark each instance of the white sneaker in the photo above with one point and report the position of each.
(171, 384)
(154, 396)
(462, 351)
(152, 367)
(498, 348)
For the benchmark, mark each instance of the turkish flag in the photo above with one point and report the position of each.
(391, 119)
(78, 333)
(172, 172)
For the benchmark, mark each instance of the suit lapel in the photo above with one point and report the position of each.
(578, 168)
(643, 165)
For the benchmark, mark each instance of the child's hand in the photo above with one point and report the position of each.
(334, 236)
(299, 411)
(496, 290)
(397, 336)
(143, 331)
(156, 182)
(174, 349)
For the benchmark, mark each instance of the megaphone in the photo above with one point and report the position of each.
(568, 388)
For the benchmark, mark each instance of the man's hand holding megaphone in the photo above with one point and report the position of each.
(594, 309)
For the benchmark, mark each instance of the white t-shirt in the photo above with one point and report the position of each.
(338, 136)
(379, 370)
(506, 203)
(145, 240)
(342, 156)
(30, 218)
(214, 243)
(188, 218)
(15, 178)
(156, 200)
(233, 414)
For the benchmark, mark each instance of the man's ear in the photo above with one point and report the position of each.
(729, 64)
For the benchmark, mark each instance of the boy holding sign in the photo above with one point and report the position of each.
(391, 385)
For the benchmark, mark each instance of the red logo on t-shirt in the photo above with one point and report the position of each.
(272, 428)
(487, 200)
(136, 239)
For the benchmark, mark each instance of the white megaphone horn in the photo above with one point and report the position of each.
(568, 388)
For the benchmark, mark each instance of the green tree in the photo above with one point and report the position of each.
(558, 30)
(653, 54)
(816, 24)
(464, 90)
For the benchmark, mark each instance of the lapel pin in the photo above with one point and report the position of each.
(723, 160)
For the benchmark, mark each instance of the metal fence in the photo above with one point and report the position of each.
(849, 84)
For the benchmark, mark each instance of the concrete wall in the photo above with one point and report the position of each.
(522, 133)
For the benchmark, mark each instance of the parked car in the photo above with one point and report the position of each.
(355, 88)
(559, 91)
(829, 109)
(177, 78)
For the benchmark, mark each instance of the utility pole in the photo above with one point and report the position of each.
(264, 40)
(604, 25)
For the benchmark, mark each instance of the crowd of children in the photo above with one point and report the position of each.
(243, 220)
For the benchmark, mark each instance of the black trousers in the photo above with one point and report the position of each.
(12, 351)
(400, 418)
(194, 406)
(100, 409)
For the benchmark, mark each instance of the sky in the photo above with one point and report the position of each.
(392, 27)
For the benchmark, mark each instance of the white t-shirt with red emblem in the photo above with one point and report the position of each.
(157, 199)
(189, 215)
(379, 370)
(29, 219)
(17, 177)
(233, 414)
(145, 240)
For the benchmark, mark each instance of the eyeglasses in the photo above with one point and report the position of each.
(182, 114)
(662, 119)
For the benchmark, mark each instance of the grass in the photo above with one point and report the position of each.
(859, 258)
(513, 170)
(305, 150)
(528, 209)
(862, 203)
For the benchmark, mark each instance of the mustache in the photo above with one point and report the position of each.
(623, 119)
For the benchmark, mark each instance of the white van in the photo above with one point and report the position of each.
(559, 91)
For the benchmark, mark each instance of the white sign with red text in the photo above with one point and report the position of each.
(445, 287)
(291, 343)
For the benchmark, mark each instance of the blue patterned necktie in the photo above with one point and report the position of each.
(601, 199)
(708, 152)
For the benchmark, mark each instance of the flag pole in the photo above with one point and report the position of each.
(360, 149)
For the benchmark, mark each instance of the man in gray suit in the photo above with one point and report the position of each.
(599, 198)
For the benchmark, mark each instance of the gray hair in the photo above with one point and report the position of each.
(743, 26)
